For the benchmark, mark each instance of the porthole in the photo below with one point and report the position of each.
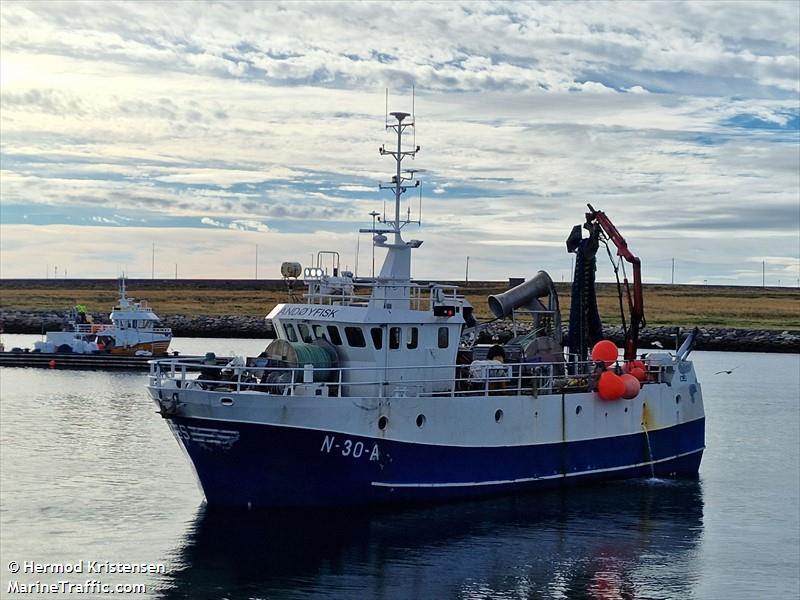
(420, 420)
(382, 423)
(498, 415)
(626, 409)
(578, 409)
(678, 399)
(606, 415)
(226, 401)
(536, 414)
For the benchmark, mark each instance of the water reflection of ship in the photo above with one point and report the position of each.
(631, 540)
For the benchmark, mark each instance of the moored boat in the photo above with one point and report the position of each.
(133, 330)
(375, 391)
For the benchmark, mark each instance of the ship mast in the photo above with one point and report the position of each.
(395, 276)
(400, 183)
(123, 298)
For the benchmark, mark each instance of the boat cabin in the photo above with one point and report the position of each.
(383, 343)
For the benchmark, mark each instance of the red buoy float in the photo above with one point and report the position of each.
(632, 386)
(51, 364)
(640, 374)
(632, 364)
(610, 386)
(605, 350)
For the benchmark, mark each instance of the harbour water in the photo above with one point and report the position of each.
(89, 472)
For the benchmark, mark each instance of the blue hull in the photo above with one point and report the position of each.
(242, 464)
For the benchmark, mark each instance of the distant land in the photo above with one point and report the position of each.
(775, 308)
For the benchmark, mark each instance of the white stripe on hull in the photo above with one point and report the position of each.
(527, 479)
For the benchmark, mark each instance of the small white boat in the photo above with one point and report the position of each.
(133, 331)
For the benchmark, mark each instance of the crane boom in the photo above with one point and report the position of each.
(635, 301)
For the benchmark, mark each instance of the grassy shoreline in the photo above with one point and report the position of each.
(722, 306)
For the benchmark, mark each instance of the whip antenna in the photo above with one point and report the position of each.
(413, 117)
(420, 204)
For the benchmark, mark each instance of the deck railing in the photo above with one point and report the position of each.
(420, 297)
(89, 328)
(528, 379)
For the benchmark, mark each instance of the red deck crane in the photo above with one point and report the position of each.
(635, 300)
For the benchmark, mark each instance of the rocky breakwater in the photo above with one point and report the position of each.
(710, 338)
(715, 338)
(229, 326)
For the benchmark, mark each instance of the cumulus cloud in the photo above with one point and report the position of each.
(212, 222)
(237, 224)
(105, 220)
(248, 225)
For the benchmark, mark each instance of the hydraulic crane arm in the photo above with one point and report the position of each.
(635, 301)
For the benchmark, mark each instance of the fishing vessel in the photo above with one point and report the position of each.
(375, 390)
(133, 331)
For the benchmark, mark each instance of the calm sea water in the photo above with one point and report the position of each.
(89, 471)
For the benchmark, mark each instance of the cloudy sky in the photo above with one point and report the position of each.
(208, 129)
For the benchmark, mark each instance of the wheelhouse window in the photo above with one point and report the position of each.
(291, 334)
(394, 338)
(444, 337)
(319, 331)
(412, 338)
(334, 336)
(355, 337)
(305, 333)
(377, 337)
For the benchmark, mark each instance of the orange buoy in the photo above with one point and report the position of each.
(605, 350)
(639, 373)
(610, 386)
(632, 386)
(52, 364)
(632, 364)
